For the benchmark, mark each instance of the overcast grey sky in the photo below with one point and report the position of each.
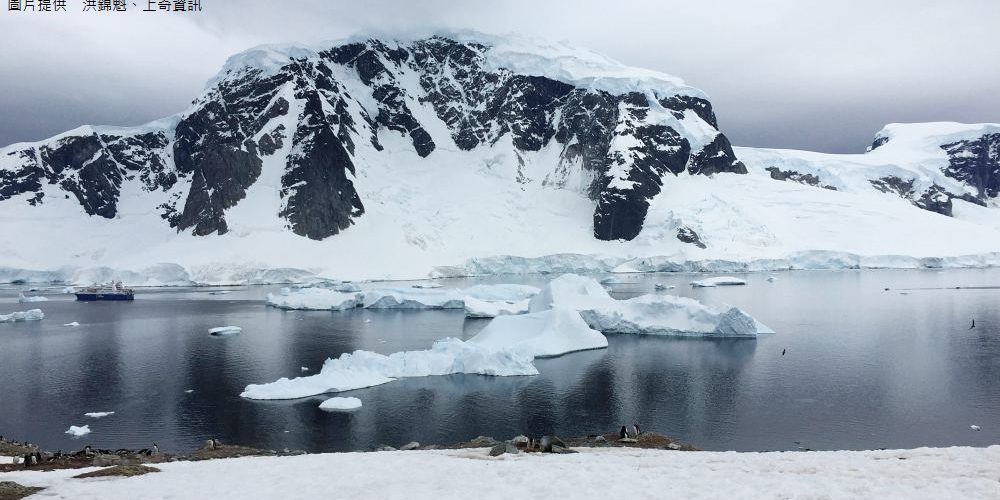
(809, 74)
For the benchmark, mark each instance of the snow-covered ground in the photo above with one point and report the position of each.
(967, 473)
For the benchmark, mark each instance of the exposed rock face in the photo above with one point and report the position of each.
(976, 163)
(791, 175)
(315, 114)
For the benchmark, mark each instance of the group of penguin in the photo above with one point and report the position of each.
(630, 432)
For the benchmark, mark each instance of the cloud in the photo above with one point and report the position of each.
(782, 73)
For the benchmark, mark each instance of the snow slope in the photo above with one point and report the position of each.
(967, 473)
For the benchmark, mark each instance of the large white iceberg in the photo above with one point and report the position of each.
(669, 315)
(547, 333)
(313, 299)
(475, 308)
(80, 431)
(32, 315)
(718, 281)
(646, 314)
(414, 298)
(26, 299)
(366, 369)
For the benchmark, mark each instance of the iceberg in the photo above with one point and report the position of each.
(424, 298)
(475, 308)
(99, 414)
(78, 431)
(23, 299)
(719, 281)
(72, 325)
(32, 315)
(543, 334)
(645, 314)
(340, 404)
(428, 285)
(225, 330)
(669, 315)
(362, 369)
(313, 299)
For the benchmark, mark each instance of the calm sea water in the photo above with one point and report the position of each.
(864, 368)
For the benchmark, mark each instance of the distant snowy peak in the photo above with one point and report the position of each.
(567, 118)
(928, 164)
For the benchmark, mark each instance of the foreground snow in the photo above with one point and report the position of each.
(968, 473)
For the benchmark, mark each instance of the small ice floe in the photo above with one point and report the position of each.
(305, 368)
(772, 279)
(975, 427)
(220, 292)
(72, 325)
(15, 317)
(78, 431)
(340, 404)
(189, 391)
(225, 330)
(27, 299)
(99, 414)
(368, 320)
(661, 286)
(428, 285)
(719, 281)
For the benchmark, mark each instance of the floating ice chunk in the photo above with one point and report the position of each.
(646, 314)
(719, 281)
(32, 315)
(78, 431)
(422, 298)
(72, 325)
(30, 299)
(669, 315)
(366, 369)
(772, 279)
(428, 285)
(413, 298)
(340, 404)
(475, 308)
(975, 427)
(99, 414)
(570, 291)
(189, 391)
(315, 299)
(661, 286)
(304, 368)
(225, 330)
(220, 292)
(547, 333)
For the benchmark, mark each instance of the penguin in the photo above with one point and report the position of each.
(156, 449)
(973, 324)
(636, 430)
(783, 352)
(623, 433)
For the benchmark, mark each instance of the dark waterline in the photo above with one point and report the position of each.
(865, 368)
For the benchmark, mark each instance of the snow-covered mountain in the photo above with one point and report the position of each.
(387, 158)
(565, 118)
(928, 164)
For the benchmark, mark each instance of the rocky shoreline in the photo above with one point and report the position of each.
(30, 457)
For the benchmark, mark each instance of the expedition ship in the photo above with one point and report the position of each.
(113, 291)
